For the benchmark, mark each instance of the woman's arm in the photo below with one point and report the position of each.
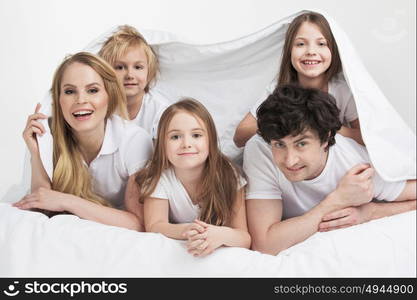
(156, 220)
(39, 176)
(245, 130)
(132, 201)
(44, 198)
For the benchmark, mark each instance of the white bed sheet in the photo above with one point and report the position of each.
(33, 245)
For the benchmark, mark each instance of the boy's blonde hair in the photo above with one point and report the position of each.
(126, 37)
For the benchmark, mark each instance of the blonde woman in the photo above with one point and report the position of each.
(190, 189)
(136, 67)
(95, 151)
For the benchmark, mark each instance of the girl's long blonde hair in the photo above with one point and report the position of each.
(219, 185)
(70, 173)
(287, 73)
(125, 37)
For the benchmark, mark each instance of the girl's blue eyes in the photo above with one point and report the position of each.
(194, 135)
(302, 44)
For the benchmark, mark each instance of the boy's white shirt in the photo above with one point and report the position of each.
(150, 112)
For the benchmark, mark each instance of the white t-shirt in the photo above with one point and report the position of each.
(181, 208)
(150, 112)
(338, 88)
(126, 149)
(266, 181)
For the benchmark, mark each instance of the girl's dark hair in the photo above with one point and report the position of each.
(291, 110)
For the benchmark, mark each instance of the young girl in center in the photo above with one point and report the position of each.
(310, 58)
(189, 188)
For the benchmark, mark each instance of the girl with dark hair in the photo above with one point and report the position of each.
(310, 58)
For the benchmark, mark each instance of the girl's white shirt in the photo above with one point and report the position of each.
(338, 88)
(181, 207)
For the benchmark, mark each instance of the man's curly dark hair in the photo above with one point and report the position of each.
(291, 110)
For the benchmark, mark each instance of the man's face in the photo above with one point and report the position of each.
(300, 157)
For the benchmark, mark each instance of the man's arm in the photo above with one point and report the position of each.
(271, 235)
(406, 201)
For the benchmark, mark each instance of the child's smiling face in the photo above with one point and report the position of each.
(187, 144)
(310, 54)
(132, 71)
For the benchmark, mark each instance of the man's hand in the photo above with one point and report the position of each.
(356, 187)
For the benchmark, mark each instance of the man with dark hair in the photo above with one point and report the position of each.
(304, 178)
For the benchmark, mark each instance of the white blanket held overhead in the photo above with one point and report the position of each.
(229, 77)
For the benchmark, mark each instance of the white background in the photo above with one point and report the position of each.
(36, 35)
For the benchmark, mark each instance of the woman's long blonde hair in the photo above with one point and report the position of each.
(70, 173)
(126, 37)
(287, 73)
(219, 185)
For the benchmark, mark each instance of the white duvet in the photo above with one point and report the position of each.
(32, 245)
(228, 78)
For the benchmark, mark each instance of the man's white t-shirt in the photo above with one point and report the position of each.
(126, 149)
(338, 88)
(266, 181)
(150, 112)
(181, 207)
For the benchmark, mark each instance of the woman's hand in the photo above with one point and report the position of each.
(44, 198)
(33, 127)
(204, 243)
